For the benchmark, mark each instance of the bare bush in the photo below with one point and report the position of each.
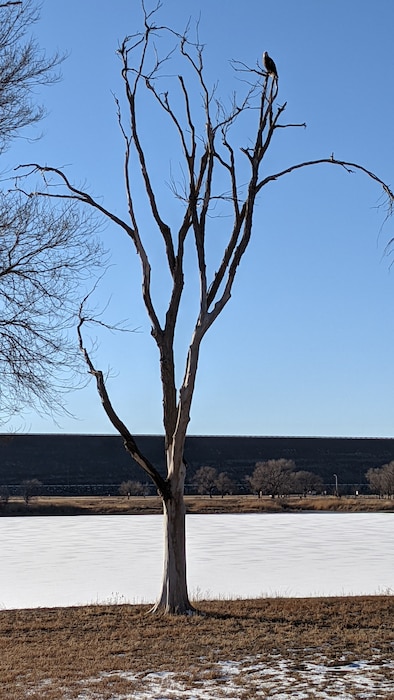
(132, 488)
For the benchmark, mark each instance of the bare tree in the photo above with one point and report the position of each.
(273, 478)
(222, 150)
(381, 480)
(388, 479)
(43, 250)
(307, 482)
(224, 485)
(30, 488)
(205, 480)
(4, 496)
(23, 66)
(375, 480)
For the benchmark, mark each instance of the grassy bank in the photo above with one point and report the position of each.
(119, 651)
(117, 505)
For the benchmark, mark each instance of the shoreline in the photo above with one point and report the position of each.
(151, 505)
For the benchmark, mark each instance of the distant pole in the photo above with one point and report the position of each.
(336, 485)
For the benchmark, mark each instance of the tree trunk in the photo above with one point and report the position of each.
(174, 597)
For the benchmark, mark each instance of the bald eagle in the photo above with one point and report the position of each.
(270, 66)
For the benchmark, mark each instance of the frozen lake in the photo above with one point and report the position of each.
(58, 561)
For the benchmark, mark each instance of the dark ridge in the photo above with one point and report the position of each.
(83, 461)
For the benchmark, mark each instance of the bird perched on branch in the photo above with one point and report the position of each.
(270, 66)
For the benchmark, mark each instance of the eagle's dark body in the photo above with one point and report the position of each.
(269, 65)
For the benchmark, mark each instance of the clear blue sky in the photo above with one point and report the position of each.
(306, 345)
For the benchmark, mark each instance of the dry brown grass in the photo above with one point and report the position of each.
(116, 505)
(47, 654)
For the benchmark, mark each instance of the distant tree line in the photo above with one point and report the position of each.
(279, 477)
(207, 480)
(28, 489)
(273, 477)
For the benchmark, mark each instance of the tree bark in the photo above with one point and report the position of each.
(174, 597)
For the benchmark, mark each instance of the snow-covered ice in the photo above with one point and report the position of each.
(73, 561)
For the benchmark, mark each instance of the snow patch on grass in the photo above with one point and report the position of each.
(279, 679)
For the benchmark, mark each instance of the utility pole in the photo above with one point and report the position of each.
(336, 486)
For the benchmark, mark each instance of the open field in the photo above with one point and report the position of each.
(268, 648)
(137, 505)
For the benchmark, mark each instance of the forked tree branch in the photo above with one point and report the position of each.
(128, 440)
